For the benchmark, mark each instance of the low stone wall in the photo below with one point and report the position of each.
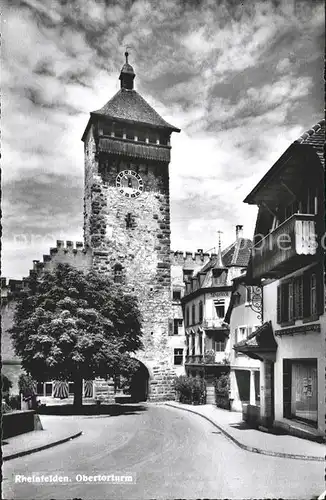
(19, 422)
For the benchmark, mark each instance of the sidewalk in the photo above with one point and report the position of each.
(56, 430)
(231, 424)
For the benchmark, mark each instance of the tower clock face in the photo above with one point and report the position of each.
(129, 184)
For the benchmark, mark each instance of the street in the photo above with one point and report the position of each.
(172, 454)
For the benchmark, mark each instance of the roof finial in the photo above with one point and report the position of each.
(219, 253)
(127, 74)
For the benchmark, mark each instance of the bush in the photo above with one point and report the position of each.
(26, 385)
(14, 402)
(190, 389)
(222, 388)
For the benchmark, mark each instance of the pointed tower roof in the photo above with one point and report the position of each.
(129, 106)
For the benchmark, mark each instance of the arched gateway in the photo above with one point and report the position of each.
(139, 385)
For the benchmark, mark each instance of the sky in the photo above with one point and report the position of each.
(241, 79)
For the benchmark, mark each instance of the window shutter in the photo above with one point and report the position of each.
(306, 295)
(298, 298)
(287, 376)
(170, 331)
(279, 304)
(320, 291)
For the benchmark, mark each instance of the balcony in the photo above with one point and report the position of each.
(216, 358)
(213, 323)
(290, 246)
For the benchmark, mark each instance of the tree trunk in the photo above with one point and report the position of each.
(78, 392)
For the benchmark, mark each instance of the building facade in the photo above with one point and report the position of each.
(288, 263)
(244, 317)
(205, 303)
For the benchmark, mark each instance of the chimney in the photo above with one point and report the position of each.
(238, 231)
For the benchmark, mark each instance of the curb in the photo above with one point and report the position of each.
(250, 448)
(41, 447)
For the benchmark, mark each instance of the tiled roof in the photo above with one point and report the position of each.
(131, 106)
(315, 137)
(238, 253)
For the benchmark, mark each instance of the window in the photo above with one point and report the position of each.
(187, 316)
(290, 303)
(40, 389)
(48, 388)
(300, 389)
(176, 324)
(201, 312)
(178, 356)
(313, 294)
(242, 333)
(129, 220)
(193, 314)
(187, 344)
(71, 387)
(117, 273)
(248, 294)
(219, 305)
(200, 343)
(176, 294)
(193, 344)
(219, 346)
(300, 297)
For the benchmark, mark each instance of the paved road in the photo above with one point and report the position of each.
(173, 454)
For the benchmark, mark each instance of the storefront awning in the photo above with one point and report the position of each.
(260, 344)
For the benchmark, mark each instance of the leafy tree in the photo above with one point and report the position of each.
(74, 326)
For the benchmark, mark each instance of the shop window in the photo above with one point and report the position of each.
(178, 356)
(300, 390)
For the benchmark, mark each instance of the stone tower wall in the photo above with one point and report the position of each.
(135, 233)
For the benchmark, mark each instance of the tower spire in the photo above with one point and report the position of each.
(127, 74)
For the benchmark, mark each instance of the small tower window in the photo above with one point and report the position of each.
(129, 220)
(117, 272)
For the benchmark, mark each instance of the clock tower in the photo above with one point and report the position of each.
(127, 215)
